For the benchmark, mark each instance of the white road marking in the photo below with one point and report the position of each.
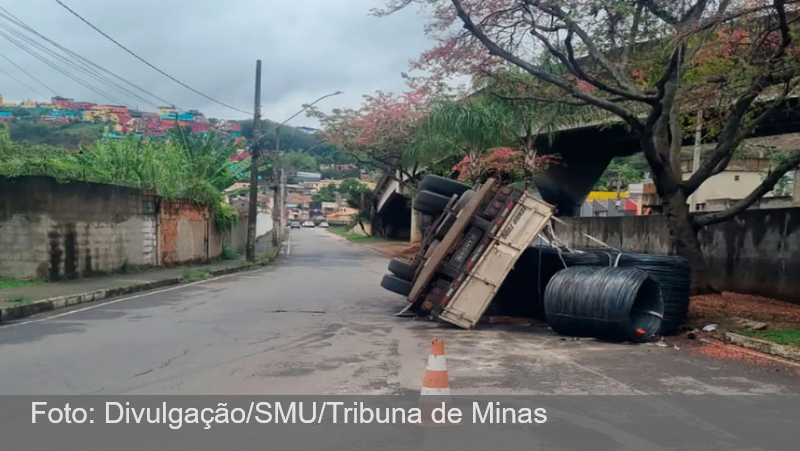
(103, 304)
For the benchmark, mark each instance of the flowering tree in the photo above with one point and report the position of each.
(378, 133)
(722, 67)
(505, 163)
(483, 131)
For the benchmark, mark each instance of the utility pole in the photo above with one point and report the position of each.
(276, 190)
(252, 212)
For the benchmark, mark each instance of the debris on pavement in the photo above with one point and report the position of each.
(709, 328)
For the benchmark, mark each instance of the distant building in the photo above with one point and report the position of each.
(308, 177)
(162, 110)
(62, 102)
(307, 129)
(337, 167)
(6, 116)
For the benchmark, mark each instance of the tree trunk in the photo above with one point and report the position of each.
(684, 238)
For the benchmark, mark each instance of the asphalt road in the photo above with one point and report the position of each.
(317, 322)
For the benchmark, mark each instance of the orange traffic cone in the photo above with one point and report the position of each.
(435, 392)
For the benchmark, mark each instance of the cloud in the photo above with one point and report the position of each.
(309, 48)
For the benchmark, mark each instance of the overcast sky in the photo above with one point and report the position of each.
(309, 48)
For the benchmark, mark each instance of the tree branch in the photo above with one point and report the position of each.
(733, 132)
(637, 16)
(560, 82)
(622, 80)
(660, 12)
(766, 186)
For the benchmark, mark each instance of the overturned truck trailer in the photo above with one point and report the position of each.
(472, 244)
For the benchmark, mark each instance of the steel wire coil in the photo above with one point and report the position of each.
(522, 292)
(674, 276)
(616, 304)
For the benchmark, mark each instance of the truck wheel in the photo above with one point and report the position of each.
(430, 203)
(444, 186)
(396, 285)
(402, 269)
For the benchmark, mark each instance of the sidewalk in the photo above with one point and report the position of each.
(20, 302)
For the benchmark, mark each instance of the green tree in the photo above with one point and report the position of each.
(326, 194)
(649, 64)
(331, 174)
(293, 161)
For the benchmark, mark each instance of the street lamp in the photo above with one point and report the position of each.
(277, 221)
(265, 133)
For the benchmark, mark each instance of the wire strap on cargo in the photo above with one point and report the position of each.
(560, 221)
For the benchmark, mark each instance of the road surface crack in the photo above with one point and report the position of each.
(163, 365)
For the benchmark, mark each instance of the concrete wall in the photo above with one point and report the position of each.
(53, 231)
(758, 252)
(184, 232)
(236, 238)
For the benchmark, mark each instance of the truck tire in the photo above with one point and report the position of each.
(444, 186)
(430, 203)
(402, 269)
(396, 285)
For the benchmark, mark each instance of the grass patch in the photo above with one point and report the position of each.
(230, 254)
(788, 337)
(193, 275)
(19, 300)
(356, 238)
(16, 283)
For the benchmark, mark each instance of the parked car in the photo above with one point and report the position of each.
(324, 224)
(308, 224)
(295, 225)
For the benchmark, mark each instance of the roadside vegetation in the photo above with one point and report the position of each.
(787, 337)
(194, 275)
(355, 238)
(184, 166)
(17, 283)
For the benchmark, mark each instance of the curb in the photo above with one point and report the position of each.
(767, 347)
(46, 305)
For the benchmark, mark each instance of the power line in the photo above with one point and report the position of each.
(9, 16)
(69, 62)
(22, 83)
(148, 63)
(61, 70)
(28, 74)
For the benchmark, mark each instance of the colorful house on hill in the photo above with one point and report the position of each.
(81, 106)
(179, 116)
(6, 116)
(28, 104)
(62, 102)
(164, 110)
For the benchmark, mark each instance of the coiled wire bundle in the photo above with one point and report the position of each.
(522, 292)
(674, 276)
(617, 304)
